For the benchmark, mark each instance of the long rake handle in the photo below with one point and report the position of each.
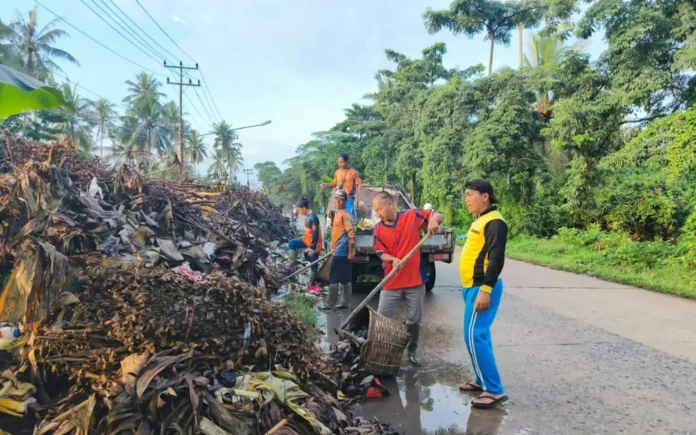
(306, 267)
(383, 283)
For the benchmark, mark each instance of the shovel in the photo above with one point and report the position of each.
(305, 267)
(383, 283)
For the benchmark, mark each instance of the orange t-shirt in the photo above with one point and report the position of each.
(350, 179)
(342, 232)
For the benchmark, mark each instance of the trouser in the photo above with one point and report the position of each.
(477, 335)
(298, 245)
(389, 302)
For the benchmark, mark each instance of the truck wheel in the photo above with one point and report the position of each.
(431, 277)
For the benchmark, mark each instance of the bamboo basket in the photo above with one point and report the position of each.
(323, 275)
(383, 349)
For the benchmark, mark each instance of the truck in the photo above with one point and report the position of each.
(367, 267)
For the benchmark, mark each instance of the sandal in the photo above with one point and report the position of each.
(472, 387)
(495, 402)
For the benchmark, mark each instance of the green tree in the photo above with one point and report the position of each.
(471, 17)
(104, 116)
(78, 119)
(196, 150)
(34, 46)
(268, 173)
(143, 91)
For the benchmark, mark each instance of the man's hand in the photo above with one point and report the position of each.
(483, 301)
(309, 252)
(351, 256)
(397, 264)
(433, 227)
(325, 185)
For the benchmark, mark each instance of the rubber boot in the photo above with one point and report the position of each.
(413, 333)
(333, 297)
(346, 296)
(292, 258)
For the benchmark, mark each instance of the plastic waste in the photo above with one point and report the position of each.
(8, 330)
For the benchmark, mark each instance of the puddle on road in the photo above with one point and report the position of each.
(424, 400)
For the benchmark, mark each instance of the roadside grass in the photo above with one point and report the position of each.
(656, 266)
(303, 307)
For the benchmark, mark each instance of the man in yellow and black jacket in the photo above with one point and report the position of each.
(480, 265)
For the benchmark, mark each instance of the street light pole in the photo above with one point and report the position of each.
(242, 128)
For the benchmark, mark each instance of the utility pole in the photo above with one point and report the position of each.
(248, 172)
(181, 84)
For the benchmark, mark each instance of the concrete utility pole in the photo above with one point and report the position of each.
(248, 172)
(181, 84)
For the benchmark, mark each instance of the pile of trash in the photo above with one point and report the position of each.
(144, 308)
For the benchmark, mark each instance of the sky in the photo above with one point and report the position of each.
(298, 63)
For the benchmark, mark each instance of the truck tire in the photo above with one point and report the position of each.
(431, 271)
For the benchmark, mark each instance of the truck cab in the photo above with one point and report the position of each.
(367, 267)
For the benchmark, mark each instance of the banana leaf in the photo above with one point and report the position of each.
(19, 93)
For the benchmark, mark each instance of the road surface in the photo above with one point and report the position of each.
(577, 356)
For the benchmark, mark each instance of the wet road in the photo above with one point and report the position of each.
(576, 355)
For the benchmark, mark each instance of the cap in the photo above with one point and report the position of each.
(303, 203)
(482, 186)
(339, 193)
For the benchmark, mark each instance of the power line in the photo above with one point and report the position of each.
(163, 31)
(84, 88)
(117, 31)
(210, 118)
(127, 28)
(181, 84)
(97, 42)
(141, 29)
(183, 51)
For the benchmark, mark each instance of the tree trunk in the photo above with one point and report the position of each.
(413, 187)
(491, 36)
(101, 144)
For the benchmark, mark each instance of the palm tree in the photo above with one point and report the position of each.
(170, 118)
(148, 130)
(79, 118)
(234, 161)
(146, 89)
(196, 150)
(8, 56)
(104, 115)
(34, 47)
(225, 135)
(219, 165)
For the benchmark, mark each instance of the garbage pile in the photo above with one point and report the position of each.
(144, 306)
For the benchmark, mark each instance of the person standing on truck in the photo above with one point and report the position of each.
(348, 180)
(480, 265)
(393, 238)
(343, 249)
(311, 240)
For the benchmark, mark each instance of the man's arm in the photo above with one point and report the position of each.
(496, 239)
(350, 231)
(331, 185)
(315, 232)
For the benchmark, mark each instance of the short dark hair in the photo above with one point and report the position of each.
(303, 203)
(344, 156)
(482, 186)
(385, 196)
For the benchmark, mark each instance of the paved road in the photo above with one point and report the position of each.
(577, 356)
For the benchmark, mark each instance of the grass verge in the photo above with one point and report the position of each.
(302, 306)
(648, 265)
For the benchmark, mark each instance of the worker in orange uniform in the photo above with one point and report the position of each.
(347, 179)
(343, 250)
(311, 240)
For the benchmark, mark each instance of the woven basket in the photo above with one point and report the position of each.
(323, 274)
(381, 353)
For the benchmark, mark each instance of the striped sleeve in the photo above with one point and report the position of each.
(377, 243)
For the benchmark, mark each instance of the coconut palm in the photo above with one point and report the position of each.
(34, 47)
(219, 166)
(145, 89)
(234, 161)
(8, 56)
(148, 130)
(79, 118)
(196, 150)
(225, 136)
(104, 115)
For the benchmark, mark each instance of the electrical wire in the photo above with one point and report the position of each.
(99, 43)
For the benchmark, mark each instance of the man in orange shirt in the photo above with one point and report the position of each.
(348, 180)
(393, 238)
(311, 240)
(343, 249)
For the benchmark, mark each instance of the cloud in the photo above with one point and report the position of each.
(178, 19)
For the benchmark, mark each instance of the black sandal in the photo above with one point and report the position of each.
(488, 405)
(473, 386)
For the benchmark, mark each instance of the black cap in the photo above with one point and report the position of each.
(303, 203)
(482, 186)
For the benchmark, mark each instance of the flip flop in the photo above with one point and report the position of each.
(489, 405)
(472, 385)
